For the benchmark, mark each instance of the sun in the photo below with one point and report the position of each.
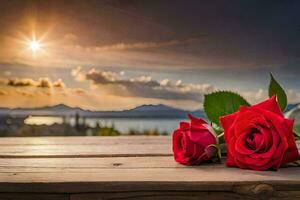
(34, 45)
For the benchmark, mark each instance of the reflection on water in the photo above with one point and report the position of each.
(121, 124)
(43, 120)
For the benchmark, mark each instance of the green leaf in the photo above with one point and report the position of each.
(222, 103)
(276, 89)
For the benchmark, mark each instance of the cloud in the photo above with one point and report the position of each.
(40, 88)
(293, 96)
(113, 83)
(20, 82)
(27, 82)
(259, 95)
(143, 54)
(77, 74)
(254, 96)
(58, 84)
(144, 45)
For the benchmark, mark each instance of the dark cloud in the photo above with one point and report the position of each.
(143, 86)
(27, 82)
(21, 82)
(241, 33)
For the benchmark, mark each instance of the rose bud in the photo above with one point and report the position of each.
(259, 137)
(193, 143)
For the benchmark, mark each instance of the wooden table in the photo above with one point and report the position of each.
(126, 167)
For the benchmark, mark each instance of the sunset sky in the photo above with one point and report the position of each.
(118, 54)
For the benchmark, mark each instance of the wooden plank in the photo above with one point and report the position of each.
(176, 174)
(88, 140)
(121, 150)
(36, 164)
(94, 166)
(85, 140)
(30, 196)
(183, 195)
(162, 195)
(123, 146)
(85, 146)
(66, 175)
(97, 169)
(91, 164)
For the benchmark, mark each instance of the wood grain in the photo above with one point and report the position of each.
(162, 195)
(126, 173)
(183, 195)
(85, 140)
(35, 196)
(118, 150)
(122, 146)
(72, 147)
(126, 167)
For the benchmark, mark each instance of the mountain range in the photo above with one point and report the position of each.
(143, 111)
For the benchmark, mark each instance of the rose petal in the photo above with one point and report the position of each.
(268, 141)
(195, 120)
(291, 153)
(184, 126)
(230, 160)
(178, 151)
(270, 165)
(248, 119)
(240, 145)
(204, 138)
(270, 105)
(271, 151)
(241, 165)
(247, 160)
(226, 122)
(255, 141)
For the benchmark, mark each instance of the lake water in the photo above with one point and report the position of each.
(121, 124)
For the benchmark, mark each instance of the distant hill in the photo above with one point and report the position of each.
(291, 106)
(143, 111)
(57, 110)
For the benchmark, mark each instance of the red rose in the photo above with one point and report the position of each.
(259, 137)
(191, 142)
